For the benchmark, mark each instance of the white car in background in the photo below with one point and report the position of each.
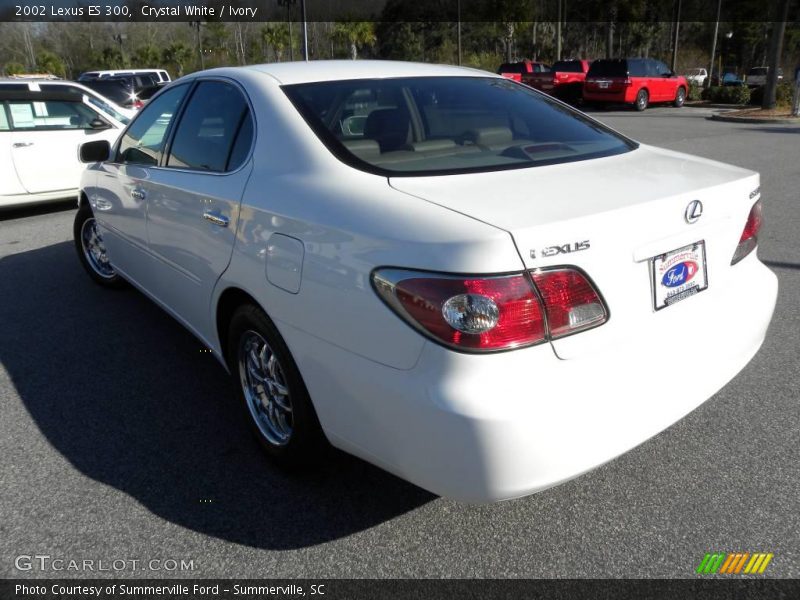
(757, 76)
(697, 76)
(42, 126)
(444, 272)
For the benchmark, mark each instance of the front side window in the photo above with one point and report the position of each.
(442, 125)
(37, 115)
(143, 142)
(3, 118)
(204, 139)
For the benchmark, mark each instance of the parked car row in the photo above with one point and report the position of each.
(126, 88)
(638, 82)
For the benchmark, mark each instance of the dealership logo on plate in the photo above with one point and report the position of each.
(679, 274)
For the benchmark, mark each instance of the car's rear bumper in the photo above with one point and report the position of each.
(480, 428)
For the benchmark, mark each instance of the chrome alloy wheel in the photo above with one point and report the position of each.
(95, 250)
(265, 389)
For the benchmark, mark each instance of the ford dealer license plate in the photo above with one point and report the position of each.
(678, 274)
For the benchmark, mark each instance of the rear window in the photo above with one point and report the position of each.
(758, 71)
(513, 68)
(443, 125)
(608, 68)
(113, 90)
(568, 66)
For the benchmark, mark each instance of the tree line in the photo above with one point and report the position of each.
(67, 49)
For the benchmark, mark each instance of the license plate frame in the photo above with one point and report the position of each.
(668, 269)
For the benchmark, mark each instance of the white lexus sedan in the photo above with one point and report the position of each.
(446, 273)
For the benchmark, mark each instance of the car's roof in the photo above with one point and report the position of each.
(32, 84)
(332, 70)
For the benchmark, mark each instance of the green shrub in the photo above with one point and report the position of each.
(695, 91)
(710, 93)
(728, 94)
(783, 94)
(735, 94)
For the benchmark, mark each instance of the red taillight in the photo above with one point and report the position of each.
(571, 302)
(749, 239)
(485, 314)
(627, 83)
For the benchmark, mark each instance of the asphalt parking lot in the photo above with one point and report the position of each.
(120, 442)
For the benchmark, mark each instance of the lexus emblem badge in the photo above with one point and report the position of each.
(694, 211)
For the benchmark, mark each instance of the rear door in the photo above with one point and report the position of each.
(193, 199)
(640, 74)
(9, 182)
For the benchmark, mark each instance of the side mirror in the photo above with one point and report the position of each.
(98, 123)
(96, 151)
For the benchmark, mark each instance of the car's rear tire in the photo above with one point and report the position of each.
(272, 391)
(642, 99)
(92, 251)
(680, 97)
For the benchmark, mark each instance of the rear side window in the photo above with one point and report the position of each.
(143, 142)
(209, 127)
(640, 67)
(3, 118)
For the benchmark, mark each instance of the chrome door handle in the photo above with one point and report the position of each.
(216, 217)
(22, 144)
(138, 194)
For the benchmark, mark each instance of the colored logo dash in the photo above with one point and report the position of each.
(734, 563)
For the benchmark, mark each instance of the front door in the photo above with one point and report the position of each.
(44, 137)
(119, 199)
(193, 200)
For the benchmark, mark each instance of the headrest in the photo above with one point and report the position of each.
(489, 136)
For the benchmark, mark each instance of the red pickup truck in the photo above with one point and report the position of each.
(517, 70)
(564, 80)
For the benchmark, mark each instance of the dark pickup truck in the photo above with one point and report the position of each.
(564, 80)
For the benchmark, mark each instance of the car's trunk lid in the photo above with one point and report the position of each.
(609, 217)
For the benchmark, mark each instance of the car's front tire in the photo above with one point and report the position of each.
(272, 391)
(92, 251)
(680, 97)
(642, 99)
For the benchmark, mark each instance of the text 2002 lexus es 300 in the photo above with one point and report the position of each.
(443, 272)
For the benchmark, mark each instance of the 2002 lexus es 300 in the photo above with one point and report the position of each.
(441, 271)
